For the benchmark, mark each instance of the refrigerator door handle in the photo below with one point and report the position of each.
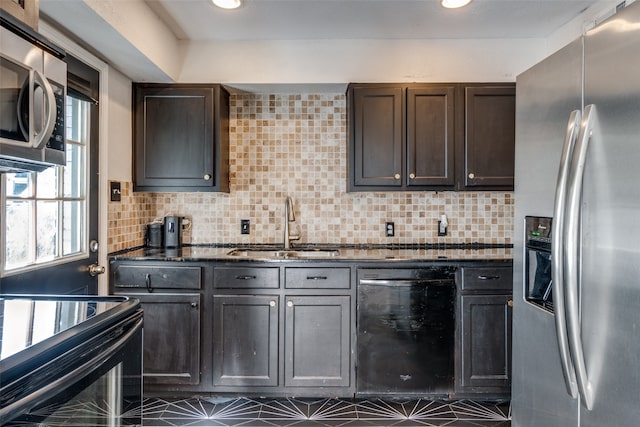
(558, 254)
(572, 253)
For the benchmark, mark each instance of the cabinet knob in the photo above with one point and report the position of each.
(472, 175)
(397, 176)
(510, 303)
(194, 305)
(272, 303)
(412, 175)
(289, 303)
(207, 177)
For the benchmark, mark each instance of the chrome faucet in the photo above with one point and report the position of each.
(289, 217)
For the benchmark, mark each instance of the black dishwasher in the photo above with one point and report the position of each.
(406, 331)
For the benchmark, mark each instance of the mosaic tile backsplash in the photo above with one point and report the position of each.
(296, 145)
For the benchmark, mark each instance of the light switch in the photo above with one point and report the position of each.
(115, 191)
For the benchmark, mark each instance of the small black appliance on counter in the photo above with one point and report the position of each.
(172, 231)
(155, 234)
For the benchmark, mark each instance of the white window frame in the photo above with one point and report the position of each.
(59, 257)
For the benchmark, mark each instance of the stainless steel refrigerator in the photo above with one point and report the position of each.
(578, 161)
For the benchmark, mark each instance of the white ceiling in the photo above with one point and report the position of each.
(365, 19)
(321, 42)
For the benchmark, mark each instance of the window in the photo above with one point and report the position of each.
(45, 213)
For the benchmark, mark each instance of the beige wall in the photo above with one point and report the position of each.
(296, 145)
(119, 151)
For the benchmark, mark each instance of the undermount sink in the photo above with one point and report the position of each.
(285, 253)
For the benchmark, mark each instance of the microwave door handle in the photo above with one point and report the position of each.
(50, 111)
(558, 254)
(25, 102)
(572, 252)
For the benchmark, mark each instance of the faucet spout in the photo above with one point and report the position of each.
(289, 217)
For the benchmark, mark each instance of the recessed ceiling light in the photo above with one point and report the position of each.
(228, 4)
(453, 4)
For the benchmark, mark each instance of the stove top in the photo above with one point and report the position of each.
(26, 320)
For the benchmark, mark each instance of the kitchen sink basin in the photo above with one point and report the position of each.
(285, 253)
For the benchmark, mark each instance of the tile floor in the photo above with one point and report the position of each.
(213, 412)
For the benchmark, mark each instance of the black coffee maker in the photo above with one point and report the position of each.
(172, 231)
(155, 234)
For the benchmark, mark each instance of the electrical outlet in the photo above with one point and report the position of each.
(245, 226)
(389, 229)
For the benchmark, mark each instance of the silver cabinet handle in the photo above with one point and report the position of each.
(289, 303)
(483, 277)
(194, 305)
(272, 303)
(245, 277)
(397, 176)
(572, 252)
(207, 177)
(412, 176)
(472, 175)
(557, 249)
(316, 277)
(147, 282)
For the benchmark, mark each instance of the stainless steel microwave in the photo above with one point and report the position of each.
(32, 102)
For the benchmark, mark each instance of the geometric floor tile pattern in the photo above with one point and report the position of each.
(211, 412)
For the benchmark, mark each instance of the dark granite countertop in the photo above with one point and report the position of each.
(352, 253)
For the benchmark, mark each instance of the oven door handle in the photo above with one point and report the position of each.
(557, 250)
(588, 127)
(31, 402)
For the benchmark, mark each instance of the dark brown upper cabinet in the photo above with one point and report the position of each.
(181, 137)
(490, 132)
(431, 136)
(27, 11)
(378, 136)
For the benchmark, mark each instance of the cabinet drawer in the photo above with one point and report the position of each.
(317, 278)
(247, 278)
(157, 277)
(487, 278)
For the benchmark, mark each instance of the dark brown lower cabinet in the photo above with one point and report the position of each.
(485, 346)
(245, 337)
(317, 341)
(171, 338)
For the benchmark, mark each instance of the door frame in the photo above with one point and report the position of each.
(85, 56)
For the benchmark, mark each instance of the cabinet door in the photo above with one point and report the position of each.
(317, 341)
(245, 336)
(485, 354)
(171, 338)
(175, 139)
(430, 136)
(26, 11)
(489, 136)
(377, 136)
